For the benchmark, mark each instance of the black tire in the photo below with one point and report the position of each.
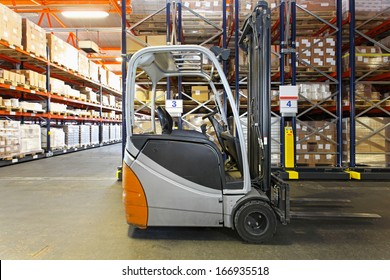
(255, 221)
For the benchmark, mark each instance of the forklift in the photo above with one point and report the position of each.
(176, 177)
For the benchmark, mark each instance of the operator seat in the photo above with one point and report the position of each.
(232, 149)
(165, 120)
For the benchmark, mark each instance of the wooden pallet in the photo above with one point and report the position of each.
(60, 94)
(13, 109)
(32, 53)
(31, 153)
(33, 111)
(8, 82)
(58, 113)
(22, 155)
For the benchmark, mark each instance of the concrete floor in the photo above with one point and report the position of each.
(70, 207)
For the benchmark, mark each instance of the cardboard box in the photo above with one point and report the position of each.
(371, 149)
(114, 81)
(103, 75)
(367, 58)
(142, 95)
(10, 26)
(83, 65)
(135, 44)
(156, 40)
(94, 71)
(57, 137)
(34, 38)
(200, 93)
(304, 48)
(94, 130)
(4, 74)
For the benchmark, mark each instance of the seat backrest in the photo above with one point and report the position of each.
(165, 120)
(218, 131)
(233, 149)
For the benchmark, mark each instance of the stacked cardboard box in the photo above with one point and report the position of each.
(103, 75)
(10, 26)
(363, 7)
(314, 91)
(58, 107)
(30, 138)
(135, 44)
(318, 54)
(363, 92)
(318, 5)
(11, 103)
(368, 58)
(62, 53)
(83, 66)
(87, 93)
(57, 86)
(314, 143)
(118, 132)
(372, 149)
(330, 53)
(200, 93)
(112, 132)
(13, 76)
(142, 94)
(33, 79)
(94, 113)
(31, 106)
(304, 48)
(111, 100)
(105, 133)
(94, 134)
(72, 92)
(94, 71)
(57, 49)
(57, 138)
(114, 81)
(105, 101)
(34, 38)
(9, 138)
(85, 135)
(72, 135)
(318, 51)
(156, 40)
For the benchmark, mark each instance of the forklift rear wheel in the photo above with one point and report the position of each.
(255, 221)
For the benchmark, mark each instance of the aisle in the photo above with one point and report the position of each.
(70, 207)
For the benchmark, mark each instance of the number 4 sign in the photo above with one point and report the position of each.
(288, 98)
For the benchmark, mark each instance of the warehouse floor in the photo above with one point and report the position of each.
(70, 207)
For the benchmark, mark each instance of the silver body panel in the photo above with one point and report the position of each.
(173, 200)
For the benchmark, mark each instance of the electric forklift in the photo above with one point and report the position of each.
(176, 177)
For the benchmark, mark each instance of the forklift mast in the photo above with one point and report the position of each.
(255, 41)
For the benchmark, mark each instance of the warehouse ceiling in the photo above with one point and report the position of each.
(106, 33)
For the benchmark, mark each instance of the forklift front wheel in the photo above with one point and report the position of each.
(255, 221)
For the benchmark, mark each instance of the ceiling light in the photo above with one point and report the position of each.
(84, 14)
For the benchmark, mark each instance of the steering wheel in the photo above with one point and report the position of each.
(212, 113)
